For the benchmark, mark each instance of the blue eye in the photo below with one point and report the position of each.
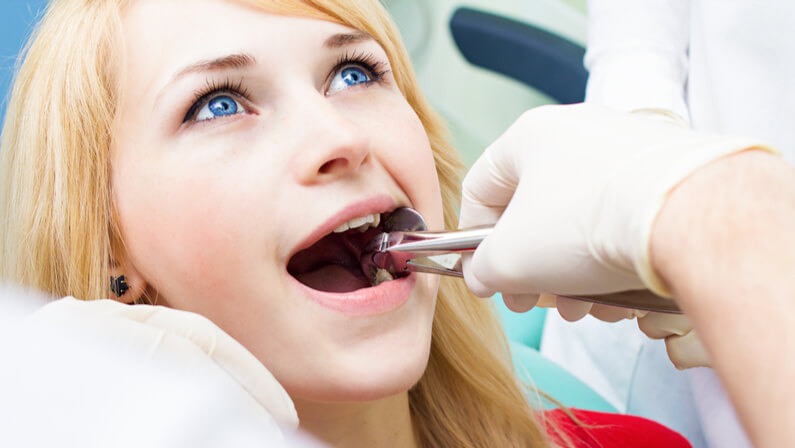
(348, 77)
(219, 106)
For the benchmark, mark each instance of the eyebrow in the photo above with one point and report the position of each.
(340, 40)
(245, 60)
(232, 61)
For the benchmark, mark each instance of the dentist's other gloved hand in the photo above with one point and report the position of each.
(684, 348)
(574, 191)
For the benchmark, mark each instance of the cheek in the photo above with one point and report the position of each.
(179, 226)
(410, 161)
(168, 224)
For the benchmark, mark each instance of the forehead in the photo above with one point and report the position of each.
(168, 34)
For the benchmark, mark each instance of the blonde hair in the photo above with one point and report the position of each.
(59, 231)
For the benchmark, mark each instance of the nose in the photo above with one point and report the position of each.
(333, 145)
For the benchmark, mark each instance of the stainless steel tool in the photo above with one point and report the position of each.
(407, 246)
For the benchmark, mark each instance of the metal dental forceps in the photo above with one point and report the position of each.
(406, 246)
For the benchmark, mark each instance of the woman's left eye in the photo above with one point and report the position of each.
(348, 77)
(220, 105)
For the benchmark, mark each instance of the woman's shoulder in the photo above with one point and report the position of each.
(601, 429)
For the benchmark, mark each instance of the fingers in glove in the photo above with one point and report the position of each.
(520, 303)
(501, 261)
(609, 313)
(663, 325)
(547, 300)
(572, 310)
(474, 285)
(488, 186)
(687, 351)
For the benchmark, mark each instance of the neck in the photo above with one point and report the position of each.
(382, 423)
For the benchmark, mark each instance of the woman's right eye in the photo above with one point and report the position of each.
(220, 105)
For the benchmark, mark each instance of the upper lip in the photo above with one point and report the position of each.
(375, 204)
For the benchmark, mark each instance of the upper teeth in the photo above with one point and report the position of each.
(362, 223)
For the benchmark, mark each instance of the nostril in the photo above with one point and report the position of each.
(333, 165)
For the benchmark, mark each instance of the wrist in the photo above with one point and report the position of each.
(717, 216)
(642, 186)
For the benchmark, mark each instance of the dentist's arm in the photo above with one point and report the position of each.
(725, 244)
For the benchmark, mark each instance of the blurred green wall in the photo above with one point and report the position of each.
(478, 105)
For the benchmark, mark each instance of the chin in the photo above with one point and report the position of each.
(382, 382)
(367, 375)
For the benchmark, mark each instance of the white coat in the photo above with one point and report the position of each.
(729, 67)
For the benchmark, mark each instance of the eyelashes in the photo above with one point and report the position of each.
(375, 68)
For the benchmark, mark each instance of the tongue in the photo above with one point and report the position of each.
(333, 278)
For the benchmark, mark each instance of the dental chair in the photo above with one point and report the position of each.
(538, 58)
(523, 331)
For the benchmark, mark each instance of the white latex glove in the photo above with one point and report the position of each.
(102, 373)
(574, 191)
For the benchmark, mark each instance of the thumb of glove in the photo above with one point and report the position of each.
(687, 351)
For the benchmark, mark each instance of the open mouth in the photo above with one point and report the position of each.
(332, 264)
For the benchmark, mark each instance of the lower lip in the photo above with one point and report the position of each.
(366, 301)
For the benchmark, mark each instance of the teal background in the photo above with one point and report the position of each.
(523, 331)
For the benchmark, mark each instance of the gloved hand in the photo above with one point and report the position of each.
(574, 192)
(102, 373)
(684, 348)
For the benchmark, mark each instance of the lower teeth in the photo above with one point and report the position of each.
(381, 276)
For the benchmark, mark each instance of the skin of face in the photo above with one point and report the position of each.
(211, 211)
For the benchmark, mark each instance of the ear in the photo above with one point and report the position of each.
(132, 280)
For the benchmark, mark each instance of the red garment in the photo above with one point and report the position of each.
(612, 431)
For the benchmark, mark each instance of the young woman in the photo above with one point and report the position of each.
(229, 158)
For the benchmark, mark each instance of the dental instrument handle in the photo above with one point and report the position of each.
(641, 299)
(429, 242)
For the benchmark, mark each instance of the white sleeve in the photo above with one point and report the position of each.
(637, 54)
